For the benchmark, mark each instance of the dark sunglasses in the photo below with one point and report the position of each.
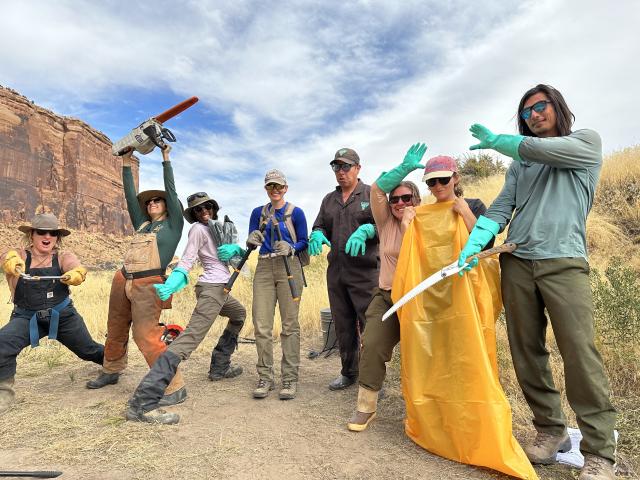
(406, 198)
(537, 107)
(345, 167)
(53, 233)
(274, 186)
(204, 206)
(154, 200)
(442, 180)
(192, 197)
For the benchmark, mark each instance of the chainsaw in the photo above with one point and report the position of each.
(151, 133)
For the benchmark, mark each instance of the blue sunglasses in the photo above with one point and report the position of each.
(537, 107)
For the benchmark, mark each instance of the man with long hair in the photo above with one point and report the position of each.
(548, 193)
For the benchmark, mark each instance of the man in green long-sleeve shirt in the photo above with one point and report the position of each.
(548, 193)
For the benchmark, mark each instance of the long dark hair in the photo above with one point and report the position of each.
(564, 117)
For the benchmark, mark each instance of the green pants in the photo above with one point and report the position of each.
(378, 341)
(270, 285)
(561, 285)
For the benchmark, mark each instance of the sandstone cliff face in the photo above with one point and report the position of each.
(63, 159)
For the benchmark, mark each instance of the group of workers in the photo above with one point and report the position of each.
(548, 193)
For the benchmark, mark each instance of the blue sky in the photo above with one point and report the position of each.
(285, 84)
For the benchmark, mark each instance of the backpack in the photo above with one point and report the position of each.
(265, 216)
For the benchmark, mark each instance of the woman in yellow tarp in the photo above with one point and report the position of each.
(455, 405)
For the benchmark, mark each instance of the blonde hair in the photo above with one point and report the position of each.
(27, 242)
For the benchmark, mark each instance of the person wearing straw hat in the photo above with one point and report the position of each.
(42, 306)
(157, 218)
(212, 300)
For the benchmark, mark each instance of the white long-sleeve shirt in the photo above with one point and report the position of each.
(200, 245)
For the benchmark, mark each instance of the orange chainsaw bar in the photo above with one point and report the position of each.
(175, 110)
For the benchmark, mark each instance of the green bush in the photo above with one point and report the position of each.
(479, 166)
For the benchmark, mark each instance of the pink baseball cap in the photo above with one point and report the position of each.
(440, 166)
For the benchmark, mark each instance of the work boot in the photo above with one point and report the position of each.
(289, 390)
(103, 380)
(263, 388)
(150, 391)
(154, 416)
(365, 410)
(545, 447)
(597, 468)
(7, 394)
(231, 372)
(341, 382)
(174, 398)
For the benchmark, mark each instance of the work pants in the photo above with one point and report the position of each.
(270, 285)
(134, 304)
(561, 285)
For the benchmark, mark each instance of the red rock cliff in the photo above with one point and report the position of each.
(66, 160)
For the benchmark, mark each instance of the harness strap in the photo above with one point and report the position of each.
(145, 273)
(34, 337)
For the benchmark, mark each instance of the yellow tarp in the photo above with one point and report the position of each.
(456, 407)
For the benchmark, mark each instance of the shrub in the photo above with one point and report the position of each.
(479, 166)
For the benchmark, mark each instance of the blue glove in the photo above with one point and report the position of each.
(504, 144)
(229, 250)
(316, 240)
(175, 282)
(358, 239)
(390, 180)
(482, 233)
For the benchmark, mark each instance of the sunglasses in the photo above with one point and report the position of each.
(53, 233)
(442, 180)
(191, 198)
(345, 167)
(274, 186)
(537, 107)
(406, 198)
(154, 200)
(204, 206)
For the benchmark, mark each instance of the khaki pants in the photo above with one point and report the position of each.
(562, 286)
(270, 285)
(134, 304)
(378, 341)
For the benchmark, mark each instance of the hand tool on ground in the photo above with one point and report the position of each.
(25, 474)
(151, 133)
(447, 271)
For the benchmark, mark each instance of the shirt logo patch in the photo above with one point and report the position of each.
(364, 205)
(49, 294)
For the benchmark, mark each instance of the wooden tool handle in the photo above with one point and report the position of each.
(504, 248)
(175, 110)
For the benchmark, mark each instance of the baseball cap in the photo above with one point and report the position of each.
(275, 176)
(347, 155)
(440, 166)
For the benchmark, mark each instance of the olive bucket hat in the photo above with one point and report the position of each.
(196, 199)
(44, 221)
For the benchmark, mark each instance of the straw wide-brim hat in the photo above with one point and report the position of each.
(144, 197)
(44, 221)
(197, 199)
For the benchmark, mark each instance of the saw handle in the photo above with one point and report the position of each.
(24, 474)
(504, 248)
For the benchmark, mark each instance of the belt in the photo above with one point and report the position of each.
(145, 273)
(269, 255)
(34, 335)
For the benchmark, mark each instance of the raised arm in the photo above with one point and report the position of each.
(176, 220)
(137, 216)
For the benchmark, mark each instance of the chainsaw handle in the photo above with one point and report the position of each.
(504, 248)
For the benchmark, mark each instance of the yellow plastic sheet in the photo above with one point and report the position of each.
(456, 407)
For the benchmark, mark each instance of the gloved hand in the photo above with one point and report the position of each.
(255, 239)
(280, 247)
(316, 240)
(482, 233)
(504, 144)
(358, 239)
(229, 250)
(13, 264)
(75, 276)
(175, 282)
(390, 180)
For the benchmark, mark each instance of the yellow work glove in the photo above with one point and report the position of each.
(13, 264)
(75, 276)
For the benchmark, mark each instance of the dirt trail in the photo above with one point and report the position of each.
(57, 424)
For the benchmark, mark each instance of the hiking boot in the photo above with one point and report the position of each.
(597, 468)
(545, 447)
(365, 411)
(231, 372)
(174, 398)
(7, 394)
(263, 388)
(154, 416)
(341, 382)
(103, 380)
(359, 421)
(289, 390)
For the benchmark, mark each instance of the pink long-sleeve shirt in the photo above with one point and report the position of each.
(200, 246)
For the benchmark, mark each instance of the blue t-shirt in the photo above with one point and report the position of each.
(270, 235)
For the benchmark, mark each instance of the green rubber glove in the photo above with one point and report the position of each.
(316, 240)
(504, 144)
(229, 250)
(175, 282)
(390, 180)
(482, 233)
(358, 239)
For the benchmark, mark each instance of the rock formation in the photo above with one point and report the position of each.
(62, 160)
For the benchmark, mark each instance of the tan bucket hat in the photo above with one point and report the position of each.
(44, 221)
(196, 199)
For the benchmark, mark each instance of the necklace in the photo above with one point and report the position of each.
(43, 259)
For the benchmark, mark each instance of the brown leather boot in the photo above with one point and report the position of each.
(7, 394)
(365, 410)
(544, 448)
(597, 468)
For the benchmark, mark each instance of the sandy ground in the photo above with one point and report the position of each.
(57, 424)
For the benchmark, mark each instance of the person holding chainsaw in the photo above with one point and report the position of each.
(345, 224)
(39, 277)
(548, 193)
(393, 215)
(157, 218)
(212, 300)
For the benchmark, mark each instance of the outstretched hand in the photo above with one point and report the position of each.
(413, 157)
(487, 137)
